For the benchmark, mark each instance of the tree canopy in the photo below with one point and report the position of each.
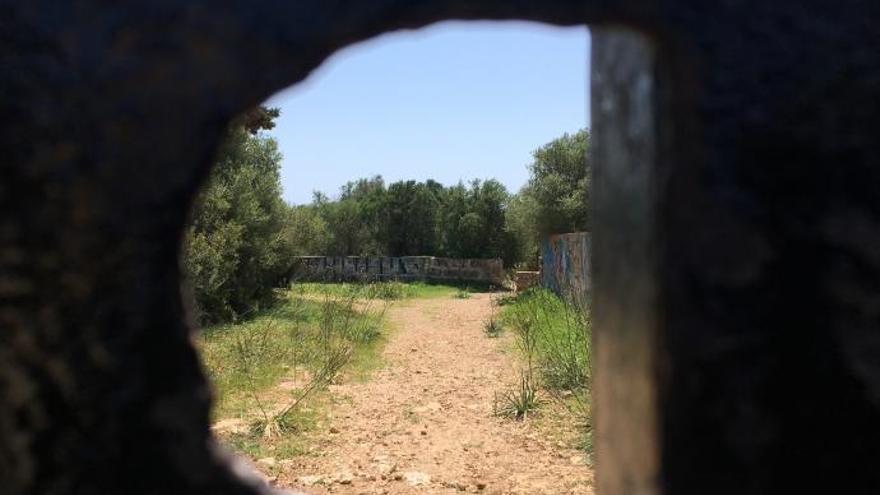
(560, 185)
(557, 197)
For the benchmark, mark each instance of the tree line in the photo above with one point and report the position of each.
(410, 218)
(242, 234)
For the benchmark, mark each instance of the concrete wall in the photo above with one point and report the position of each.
(319, 268)
(565, 261)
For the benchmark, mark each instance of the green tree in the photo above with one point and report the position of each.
(371, 197)
(473, 222)
(455, 233)
(522, 223)
(349, 236)
(305, 232)
(234, 250)
(410, 219)
(355, 222)
(560, 185)
(491, 203)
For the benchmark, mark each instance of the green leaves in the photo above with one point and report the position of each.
(410, 218)
(234, 247)
(560, 185)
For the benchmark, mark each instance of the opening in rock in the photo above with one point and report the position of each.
(429, 326)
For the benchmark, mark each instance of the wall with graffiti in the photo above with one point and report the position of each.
(565, 262)
(323, 268)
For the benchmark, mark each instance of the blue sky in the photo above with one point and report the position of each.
(456, 100)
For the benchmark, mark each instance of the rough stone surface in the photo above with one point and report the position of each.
(625, 257)
(322, 268)
(756, 304)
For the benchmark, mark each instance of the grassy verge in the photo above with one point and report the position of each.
(553, 336)
(270, 373)
(385, 290)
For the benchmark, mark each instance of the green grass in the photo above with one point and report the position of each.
(307, 342)
(386, 290)
(463, 293)
(254, 445)
(553, 336)
(517, 403)
(367, 357)
(254, 355)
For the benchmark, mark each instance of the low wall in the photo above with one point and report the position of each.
(321, 268)
(565, 262)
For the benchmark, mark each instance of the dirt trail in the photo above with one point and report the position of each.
(424, 424)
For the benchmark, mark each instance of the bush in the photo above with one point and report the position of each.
(390, 291)
(463, 293)
(555, 334)
(492, 327)
(307, 340)
(519, 402)
(234, 251)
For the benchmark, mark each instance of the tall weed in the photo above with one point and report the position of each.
(553, 336)
(307, 340)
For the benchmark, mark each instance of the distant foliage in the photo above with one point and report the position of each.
(480, 219)
(235, 248)
(561, 184)
(474, 223)
(410, 218)
(306, 232)
(411, 210)
(558, 195)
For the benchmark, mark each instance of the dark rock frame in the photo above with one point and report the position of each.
(737, 232)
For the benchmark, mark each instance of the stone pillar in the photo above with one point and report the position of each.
(625, 258)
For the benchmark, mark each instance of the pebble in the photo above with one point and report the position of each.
(416, 478)
(310, 480)
(343, 478)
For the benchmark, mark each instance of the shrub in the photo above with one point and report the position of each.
(492, 327)
(555, 334)
(234, 250)
(390, 291)
(464, 293)
(518, 402)
(309, 341)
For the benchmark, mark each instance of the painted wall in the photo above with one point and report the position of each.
(321, 268)
(565, 262)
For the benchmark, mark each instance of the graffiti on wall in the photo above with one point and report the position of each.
(565, 262)
(320, 268)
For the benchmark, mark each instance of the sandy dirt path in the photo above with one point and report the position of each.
(424, 424)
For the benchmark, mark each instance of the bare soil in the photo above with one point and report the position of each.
(424, 423)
